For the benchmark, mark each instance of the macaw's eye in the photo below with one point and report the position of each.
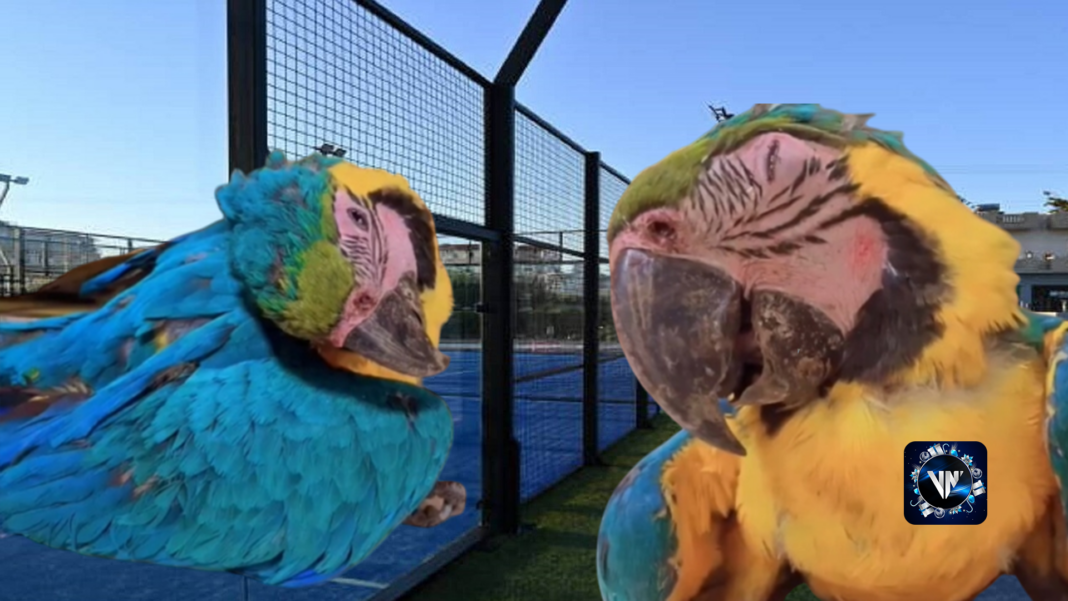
(358, 218)
(662, 230)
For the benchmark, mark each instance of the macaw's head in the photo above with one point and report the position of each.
(793, 249)
(345, 258)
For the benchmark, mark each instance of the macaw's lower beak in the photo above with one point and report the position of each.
(395, 337)
(677, 321)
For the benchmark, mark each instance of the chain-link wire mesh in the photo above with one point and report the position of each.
(616, 386)
(549, 186)
(461, 339)
(611, 190)
(549, 210)
(340, 75)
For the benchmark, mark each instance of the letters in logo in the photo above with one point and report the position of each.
(945, 483)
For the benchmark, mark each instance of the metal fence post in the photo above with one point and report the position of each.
(500, 450)
(46, 258)
(20, 254)
(641, 406)
(591, 298)
(246, 66)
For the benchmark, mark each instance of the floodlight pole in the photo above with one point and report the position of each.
(500, 450)
(8, 181)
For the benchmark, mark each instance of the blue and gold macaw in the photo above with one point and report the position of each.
(244, 398)
(834, 291)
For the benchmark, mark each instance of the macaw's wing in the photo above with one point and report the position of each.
(64, 295)
(1051, 332)
(226, 451)
(179, 286)
(670, 531)
(637, 547)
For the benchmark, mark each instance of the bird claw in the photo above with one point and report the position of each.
(445, 501)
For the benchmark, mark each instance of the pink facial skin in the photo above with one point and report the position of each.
(378, 245)
(836, 273)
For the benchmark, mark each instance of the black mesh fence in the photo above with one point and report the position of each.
(616, 386)
(338, 74)
(549, 201)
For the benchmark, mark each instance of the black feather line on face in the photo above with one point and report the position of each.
(899, 320)
(420, 228)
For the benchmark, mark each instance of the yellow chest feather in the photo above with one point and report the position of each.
(825, 492)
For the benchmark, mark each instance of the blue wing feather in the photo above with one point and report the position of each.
(637, 544)
(226, 447)
(1053, 331)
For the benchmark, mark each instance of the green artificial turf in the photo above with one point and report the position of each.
(555, 561)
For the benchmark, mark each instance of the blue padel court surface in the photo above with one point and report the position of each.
(548, 427)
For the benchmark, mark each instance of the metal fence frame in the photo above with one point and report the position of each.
(33, 256)
(248, 118)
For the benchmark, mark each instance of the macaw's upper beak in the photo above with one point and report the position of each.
(395, 336)
(677, 320)
(692, 340)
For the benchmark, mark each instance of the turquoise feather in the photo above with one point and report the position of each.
(636, 545)
(814, 116)
(1057, 403)
(637, 532)
(232, 448)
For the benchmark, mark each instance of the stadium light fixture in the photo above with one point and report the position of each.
(8, 181)
(330, 149)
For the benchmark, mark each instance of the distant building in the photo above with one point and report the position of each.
(456, 255)
(1042, 264)
(528, 259)
(45, 250)
(1043, 261)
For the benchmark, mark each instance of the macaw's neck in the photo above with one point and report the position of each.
(974, 301)
(351, 362)
(960, 357)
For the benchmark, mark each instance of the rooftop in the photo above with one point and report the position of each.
(1042, 249)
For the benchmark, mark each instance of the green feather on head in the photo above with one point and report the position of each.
(284, 244)
(666, 183)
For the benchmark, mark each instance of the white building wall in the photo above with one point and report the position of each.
(1040, 242)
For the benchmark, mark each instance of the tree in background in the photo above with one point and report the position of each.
(1055, 203)
(543, 312)
(465, 323)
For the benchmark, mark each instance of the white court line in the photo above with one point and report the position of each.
(354, 582)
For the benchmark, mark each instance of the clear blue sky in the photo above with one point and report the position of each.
(116, 109)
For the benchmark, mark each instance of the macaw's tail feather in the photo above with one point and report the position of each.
(84, 288)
